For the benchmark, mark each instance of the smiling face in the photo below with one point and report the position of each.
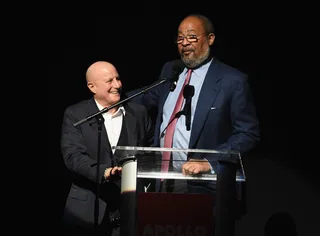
(104, 82)
(196, 49)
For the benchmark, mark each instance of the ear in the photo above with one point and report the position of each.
(91, 86)
(211, 38)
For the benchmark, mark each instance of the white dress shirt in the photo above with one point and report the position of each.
(113, 124)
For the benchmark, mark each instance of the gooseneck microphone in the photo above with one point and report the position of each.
(176, 116)
(177, 68)
(188, 93)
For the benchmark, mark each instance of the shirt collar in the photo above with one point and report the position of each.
(201, 71)
(120, 109)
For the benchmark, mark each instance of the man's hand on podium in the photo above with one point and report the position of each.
(196, 166)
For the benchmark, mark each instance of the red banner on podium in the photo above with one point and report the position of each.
(175, 214)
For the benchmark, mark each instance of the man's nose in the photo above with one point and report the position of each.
(185, 41)
(116, 83)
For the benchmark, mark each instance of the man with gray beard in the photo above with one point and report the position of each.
(221, 116)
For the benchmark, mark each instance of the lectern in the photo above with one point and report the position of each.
(171, 214)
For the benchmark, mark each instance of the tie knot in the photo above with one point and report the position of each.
(188, 76)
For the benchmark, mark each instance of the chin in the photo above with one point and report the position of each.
(189, 61)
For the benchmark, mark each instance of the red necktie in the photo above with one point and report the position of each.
(170, 129)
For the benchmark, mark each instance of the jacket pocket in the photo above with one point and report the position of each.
(79, 194)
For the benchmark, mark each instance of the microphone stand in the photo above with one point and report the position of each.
(100, 121)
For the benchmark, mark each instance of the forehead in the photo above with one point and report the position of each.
(104, 74)
(190, 25)
(108, 71)
(107, 74)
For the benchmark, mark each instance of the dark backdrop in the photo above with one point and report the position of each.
(139, 46)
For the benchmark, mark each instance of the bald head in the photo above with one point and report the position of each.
(104, 82)
(97, 69)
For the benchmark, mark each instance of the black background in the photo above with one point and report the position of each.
(280, 178)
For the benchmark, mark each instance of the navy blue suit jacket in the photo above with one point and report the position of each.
(225, 116)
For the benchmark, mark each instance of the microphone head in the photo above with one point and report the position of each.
(177, 67)
(172, 69)
(188, 91)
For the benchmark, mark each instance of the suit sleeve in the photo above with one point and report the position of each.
(245, 125)
(75, 152)
(150, 98)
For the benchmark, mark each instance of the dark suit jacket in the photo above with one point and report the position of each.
(79, 149)
(225, 116)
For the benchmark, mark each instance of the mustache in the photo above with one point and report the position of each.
(187, 50)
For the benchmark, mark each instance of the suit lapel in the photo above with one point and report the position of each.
(128, 135)
(105, 144)
(208, 94)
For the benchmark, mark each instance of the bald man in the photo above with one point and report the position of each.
(125, 125)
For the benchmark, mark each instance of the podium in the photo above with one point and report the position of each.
(210, 210)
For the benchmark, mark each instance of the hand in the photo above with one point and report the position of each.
(195, 166)
(113, 173)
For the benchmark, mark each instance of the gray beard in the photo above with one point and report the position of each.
(195, 62)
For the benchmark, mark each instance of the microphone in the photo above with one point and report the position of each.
(188, 93)
(176, 116)
(177, 68)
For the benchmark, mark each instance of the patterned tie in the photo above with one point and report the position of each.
(170, 129)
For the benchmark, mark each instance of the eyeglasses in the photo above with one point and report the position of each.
(191, 38)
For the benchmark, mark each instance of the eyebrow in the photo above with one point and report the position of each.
(188, 31)
(108, 79)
